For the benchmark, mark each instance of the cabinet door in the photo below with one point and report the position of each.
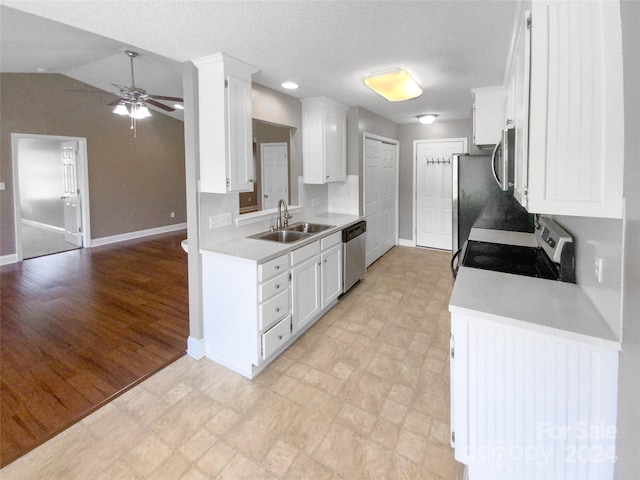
(331, 274)
(335, 145)
(239, 142)
(305, 292)
(576, 136)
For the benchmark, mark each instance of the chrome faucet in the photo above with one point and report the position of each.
(283, 220)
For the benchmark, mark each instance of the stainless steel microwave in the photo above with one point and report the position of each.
(502, 159)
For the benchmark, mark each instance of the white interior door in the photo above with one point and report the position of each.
(70, 194)
(434, 191)
(380, 193)
(274, 164)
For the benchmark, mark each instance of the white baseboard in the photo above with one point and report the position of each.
(96, 242)
(7, 259)
(195, 347)
(403, 242)
(43, 226)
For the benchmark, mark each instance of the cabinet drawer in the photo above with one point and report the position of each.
(273, 310)
(272, 287)
(331, 240)
(275, 337)
(305, 252)
(272, 267)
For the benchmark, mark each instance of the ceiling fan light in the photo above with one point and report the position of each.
(140, 111)
(178, 106)
(121, 109)
(427, 119)
(395, 86)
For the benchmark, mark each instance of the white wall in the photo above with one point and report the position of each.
(601, 237)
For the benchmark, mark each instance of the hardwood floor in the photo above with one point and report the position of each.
(79, 328)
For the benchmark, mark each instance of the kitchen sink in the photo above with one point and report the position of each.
(282, 236)
(309, 227)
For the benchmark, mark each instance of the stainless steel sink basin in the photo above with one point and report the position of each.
(309, 227)
(282, 236)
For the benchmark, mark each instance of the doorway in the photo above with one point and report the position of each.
(433, 190)
(51, 194)
(275, 173)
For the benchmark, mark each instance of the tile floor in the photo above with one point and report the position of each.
(363, 394)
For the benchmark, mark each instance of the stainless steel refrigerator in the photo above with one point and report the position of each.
(479, 202)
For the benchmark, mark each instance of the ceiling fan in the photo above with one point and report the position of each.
(133, 100)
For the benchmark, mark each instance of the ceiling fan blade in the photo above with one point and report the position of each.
(162, 97)
(160, 105)
(88, 91)
(115, 102)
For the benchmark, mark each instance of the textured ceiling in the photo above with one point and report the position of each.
(327, 47)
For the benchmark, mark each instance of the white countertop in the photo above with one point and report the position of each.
(545, 306)
(260, 251)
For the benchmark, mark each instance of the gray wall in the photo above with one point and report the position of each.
(134, 182)
(40, 175)
(628, 441)
(417, 131)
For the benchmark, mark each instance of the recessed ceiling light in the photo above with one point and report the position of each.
(427, 118)
(178, 106)
(290, 85)
(395, 86)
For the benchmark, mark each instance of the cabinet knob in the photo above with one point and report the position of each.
(277, 287)
(277, 267)
(277, 309)
(251, 180)
(279, 337)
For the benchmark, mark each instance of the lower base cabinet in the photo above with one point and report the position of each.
(252, 312)
(526, 404)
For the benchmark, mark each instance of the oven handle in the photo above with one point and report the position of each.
(454, 270)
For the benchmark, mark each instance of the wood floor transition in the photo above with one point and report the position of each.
(80, 327)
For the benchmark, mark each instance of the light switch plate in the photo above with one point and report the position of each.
(3, 186)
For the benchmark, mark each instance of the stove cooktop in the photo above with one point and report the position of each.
(514, 259)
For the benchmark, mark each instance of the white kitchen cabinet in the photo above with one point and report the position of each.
(224, 124)
(305, 285)
(488, 115)
(575, 155)
(246, 310)
(324, 140)
(331, 268)
(527, 404)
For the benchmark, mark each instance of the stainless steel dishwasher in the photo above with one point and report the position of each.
(353, 254)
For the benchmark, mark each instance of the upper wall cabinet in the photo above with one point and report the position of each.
(576, 118)
(324, 140)
(488, 115)
(225, 133)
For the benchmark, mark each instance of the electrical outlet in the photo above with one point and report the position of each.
(315, 201)
(221, 220)
(598, 269)
(173, 214)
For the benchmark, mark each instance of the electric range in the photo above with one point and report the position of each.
(547, 253)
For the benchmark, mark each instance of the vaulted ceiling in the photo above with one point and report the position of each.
(327, 47)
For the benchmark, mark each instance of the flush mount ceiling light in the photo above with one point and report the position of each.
(427, 118)
(289, 85)
(395, 86)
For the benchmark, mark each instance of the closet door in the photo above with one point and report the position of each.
(380, 193)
